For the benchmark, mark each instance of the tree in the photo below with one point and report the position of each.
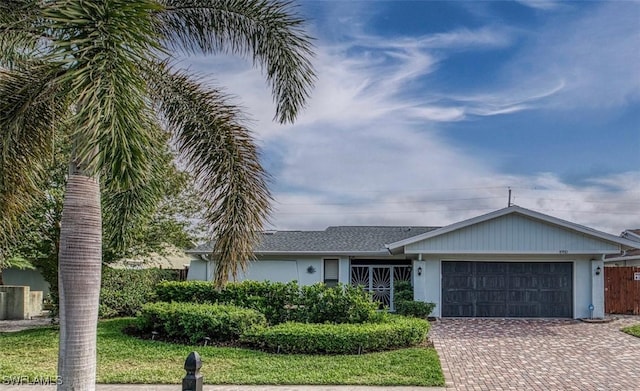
(171, 225)
(103, 71)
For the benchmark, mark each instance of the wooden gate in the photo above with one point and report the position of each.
(622, 290)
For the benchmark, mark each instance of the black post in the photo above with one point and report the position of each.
(193, 379)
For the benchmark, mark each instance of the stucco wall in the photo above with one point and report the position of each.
(305, 270)
(31, 278)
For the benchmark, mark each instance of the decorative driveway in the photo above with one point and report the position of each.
(525, 354)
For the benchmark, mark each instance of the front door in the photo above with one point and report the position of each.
(380, 280)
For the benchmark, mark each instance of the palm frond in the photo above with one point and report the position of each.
(16, 263)
(124, 209)
(20, 31)
(210, 136)
(32, 105)
(109, 43)
(267, 31)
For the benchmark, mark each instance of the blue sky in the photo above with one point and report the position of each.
(427, 112)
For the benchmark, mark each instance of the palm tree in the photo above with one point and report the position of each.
(102, 72)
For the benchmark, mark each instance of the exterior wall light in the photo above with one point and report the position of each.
(419, 270)
(598, 270)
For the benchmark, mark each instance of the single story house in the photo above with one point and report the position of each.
(630, 257)
(513, 262)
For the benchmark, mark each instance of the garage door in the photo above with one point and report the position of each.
(507, 289)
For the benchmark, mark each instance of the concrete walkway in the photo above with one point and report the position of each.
(537, 355)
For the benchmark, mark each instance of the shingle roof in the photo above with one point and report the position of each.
(343, 239)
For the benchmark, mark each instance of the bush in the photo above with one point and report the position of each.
(125, 291)
(274, 300)
(342, 304)
(417, 309)
(405, 305)
(402, 291)
(280, 302)
(191, 322)
(395, 332)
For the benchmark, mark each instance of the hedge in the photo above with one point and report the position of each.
(280, 302)
(125, 291)
(405, 305)
(304, 338)
(192, 323)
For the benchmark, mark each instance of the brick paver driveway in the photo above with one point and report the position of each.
(511, 354)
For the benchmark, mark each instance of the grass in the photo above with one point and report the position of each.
(127, 360)
(633, 330)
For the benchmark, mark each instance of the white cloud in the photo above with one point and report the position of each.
(595, 58)
(365, 152)
(545, 5)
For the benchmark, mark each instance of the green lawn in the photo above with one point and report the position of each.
(125, 359)
(633, 330)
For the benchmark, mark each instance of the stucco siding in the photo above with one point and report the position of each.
(431, 289)
(516, 234)
(30, 278)
(306, 271)
(200, 270)
(582, 289)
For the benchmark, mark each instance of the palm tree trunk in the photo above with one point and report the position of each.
(80, 260)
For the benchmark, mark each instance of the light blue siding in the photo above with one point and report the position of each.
(513, 233)
(305, 270)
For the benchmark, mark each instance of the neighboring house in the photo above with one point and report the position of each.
(26, 277)
(513, 262)
(170, 258)
(627, 257)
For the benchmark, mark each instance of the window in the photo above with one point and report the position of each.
(331, 272)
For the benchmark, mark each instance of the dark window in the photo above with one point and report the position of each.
(331, 272)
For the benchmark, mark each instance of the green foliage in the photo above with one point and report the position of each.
(395, 332)
(191, 322)
(405, 305)
(402, 291)
(280, 302)
(128, 360)
(343, 304)
(633, 330)
(168, 225)
(418, 309)
(125, 291)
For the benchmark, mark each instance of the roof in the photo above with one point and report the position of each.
(630, 254)
(631, 234)
(170, 258)
(519, 210)
(333, 240)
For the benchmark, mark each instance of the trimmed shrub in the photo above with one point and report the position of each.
(276, 300)
(304, 338)
(417, 309)
(125, 291)
(342, 304)
(280, 302)
(402, 291)
(191, 322)
(405, 305)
